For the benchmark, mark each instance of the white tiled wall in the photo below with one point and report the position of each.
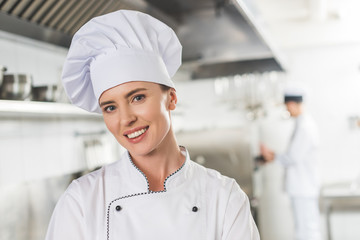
(37, 148)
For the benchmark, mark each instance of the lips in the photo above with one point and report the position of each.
(134, 133)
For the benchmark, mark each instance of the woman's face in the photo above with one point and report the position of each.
(138, 115)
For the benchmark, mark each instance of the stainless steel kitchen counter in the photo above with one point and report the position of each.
(339, 197)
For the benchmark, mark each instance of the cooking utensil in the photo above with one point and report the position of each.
(3, 69)
(16, 87)
(46, 93)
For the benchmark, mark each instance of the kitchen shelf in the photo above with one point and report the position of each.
(32, 109)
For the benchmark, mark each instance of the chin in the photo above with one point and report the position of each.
(139, 150)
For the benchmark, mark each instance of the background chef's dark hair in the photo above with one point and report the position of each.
(297, 99)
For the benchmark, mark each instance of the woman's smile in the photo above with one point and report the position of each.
(138, 115)
(136, 133)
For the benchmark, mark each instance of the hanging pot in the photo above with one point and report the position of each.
(16, 87)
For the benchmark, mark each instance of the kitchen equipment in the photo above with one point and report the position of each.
(2, 71)
(259, 160)
(16, 87)
(46, 93)
(337, 197)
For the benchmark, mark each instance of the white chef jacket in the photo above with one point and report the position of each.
(300, 159)
(115, 202)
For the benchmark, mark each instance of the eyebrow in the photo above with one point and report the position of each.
(134, 91)
(105, 103)
(126, 96)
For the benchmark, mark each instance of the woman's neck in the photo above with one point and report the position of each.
(161, 162)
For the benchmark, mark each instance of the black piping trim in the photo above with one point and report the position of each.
(132, 163)
(138, 194)
(108, 211)
(147, 181)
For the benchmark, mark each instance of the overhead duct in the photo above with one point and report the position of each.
(219, 35)
(205, 71)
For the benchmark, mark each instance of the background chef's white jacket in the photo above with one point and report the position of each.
(115, 203)
(300, 159)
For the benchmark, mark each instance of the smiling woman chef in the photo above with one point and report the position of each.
(120, 65)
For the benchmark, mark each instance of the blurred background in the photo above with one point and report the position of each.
(238, 56)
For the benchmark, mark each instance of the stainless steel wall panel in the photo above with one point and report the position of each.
(103, 8)
(94, 11)
(31, 10)
(60, 16)
(24, 8)
(79, 15)
(43, 9)
(20, 7)
(16, 25)
(114, 5)
(2, 3)
(7, 5)
(53, 11)
(14, 6)
(71, 14)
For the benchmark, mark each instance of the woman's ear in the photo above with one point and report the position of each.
(173, 99)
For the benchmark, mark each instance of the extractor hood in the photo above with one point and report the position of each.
(219, 37)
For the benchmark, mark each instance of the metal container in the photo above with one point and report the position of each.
(16, 87)
(46, 93)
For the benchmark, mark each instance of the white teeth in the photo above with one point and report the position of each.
(137, 133)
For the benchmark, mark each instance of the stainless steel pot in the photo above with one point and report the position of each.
(16, 87)
(46, 93)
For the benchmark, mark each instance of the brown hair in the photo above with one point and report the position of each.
(164, 87)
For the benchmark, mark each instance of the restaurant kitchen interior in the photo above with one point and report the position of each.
(238, 56)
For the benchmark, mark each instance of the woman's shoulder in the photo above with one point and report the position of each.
(209, 173)
(92, 179)
(219, 189)
(214, 179)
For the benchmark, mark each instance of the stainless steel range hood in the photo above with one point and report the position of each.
(219, 37)
(221, 42)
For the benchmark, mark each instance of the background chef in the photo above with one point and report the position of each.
(301, 169)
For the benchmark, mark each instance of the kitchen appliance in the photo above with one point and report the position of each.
(46, 93)
(16, 87)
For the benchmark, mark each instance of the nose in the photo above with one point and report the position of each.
(127, 117)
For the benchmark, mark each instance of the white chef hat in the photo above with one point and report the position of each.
(115, 48)
(294, 93)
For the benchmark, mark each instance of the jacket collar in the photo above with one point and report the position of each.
(175, 179)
